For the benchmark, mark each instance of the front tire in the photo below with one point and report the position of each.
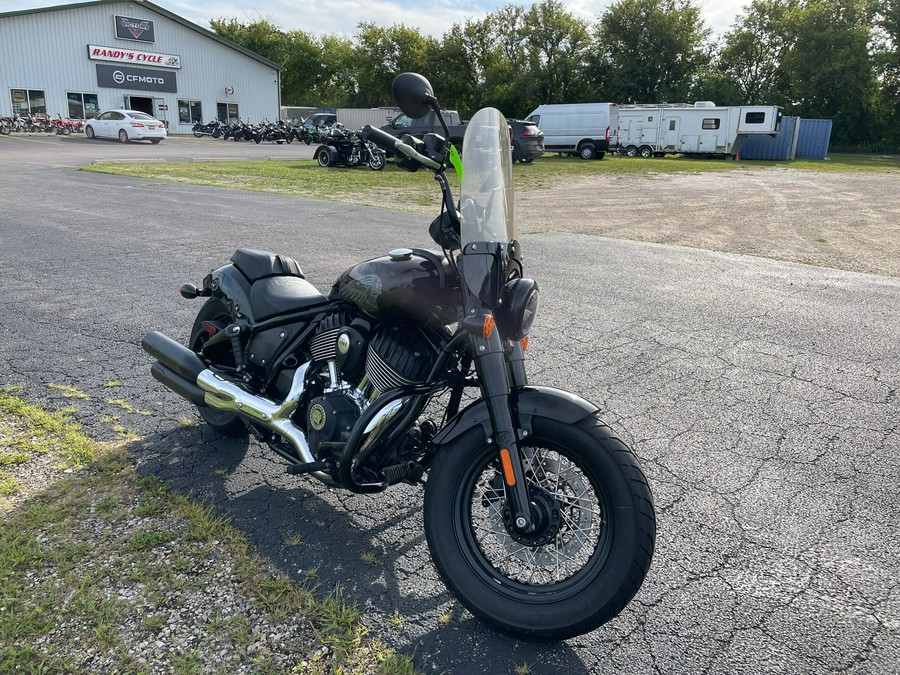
(89, 132)
(588, 558)
(377, 161)
(226, 423)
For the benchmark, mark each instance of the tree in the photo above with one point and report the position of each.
(649, 50)
(557, 44)
(754, 51)
(380, 54)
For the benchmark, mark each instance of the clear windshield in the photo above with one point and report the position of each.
(486, 195)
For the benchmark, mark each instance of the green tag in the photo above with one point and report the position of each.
(456, 161)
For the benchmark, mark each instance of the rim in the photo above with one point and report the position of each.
(574, 538)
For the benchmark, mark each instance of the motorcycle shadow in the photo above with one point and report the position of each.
(370, 546)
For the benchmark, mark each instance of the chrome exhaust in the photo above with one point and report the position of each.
(227, 396)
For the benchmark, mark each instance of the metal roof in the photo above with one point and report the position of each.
(155, 8)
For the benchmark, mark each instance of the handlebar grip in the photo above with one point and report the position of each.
(379, 137)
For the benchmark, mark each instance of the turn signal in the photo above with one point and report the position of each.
(508, 473)
(488, 326)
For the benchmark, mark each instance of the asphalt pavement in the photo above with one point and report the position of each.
(760, 396)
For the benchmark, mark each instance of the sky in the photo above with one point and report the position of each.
(433, 17)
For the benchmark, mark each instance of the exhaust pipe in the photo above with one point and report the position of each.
(185, 373)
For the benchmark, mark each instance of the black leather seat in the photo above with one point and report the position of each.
(282, 294)
(257, 265)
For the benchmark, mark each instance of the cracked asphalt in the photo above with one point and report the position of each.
(760, 396)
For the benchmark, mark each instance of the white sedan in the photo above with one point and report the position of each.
(126, 125)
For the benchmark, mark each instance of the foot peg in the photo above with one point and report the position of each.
(308, 467)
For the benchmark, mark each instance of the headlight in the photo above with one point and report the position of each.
(517, 311)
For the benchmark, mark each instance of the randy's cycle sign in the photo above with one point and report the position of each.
(129, 28)
(141, 79)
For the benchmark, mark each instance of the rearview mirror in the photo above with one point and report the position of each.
(413, 94)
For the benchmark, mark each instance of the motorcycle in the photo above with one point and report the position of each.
(340, 146)
(213, 129)
(537, 516)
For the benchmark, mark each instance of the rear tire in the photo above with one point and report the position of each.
(323, 156)
(631, 151)
(646, 151)
(587, 151)
(590, 554)
(227, 424)
(123, 136)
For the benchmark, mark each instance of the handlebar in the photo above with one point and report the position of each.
(385, 139)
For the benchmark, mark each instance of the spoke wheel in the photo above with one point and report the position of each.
(590, 549)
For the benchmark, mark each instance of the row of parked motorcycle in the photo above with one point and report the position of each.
(40, 125)
(338, 145)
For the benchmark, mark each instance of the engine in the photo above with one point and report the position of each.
(360, 362)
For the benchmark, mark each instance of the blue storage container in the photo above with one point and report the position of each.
(779, 147)
(813, 139)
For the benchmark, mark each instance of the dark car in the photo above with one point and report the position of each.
(527, 140)
(320, 120)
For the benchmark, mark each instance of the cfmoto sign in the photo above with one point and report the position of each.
(140, 79)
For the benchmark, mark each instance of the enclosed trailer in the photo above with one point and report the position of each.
(357, 118)
(700, 129)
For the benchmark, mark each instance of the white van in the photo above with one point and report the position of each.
(584, 129)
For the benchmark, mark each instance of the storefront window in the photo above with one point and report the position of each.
(189, 112)
(227, 112)
(28, 102)
(82, 106)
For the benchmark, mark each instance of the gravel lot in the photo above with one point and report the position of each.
(848, 221)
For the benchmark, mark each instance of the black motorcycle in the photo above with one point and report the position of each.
(213, 129)
(342, 146)
(537, 516)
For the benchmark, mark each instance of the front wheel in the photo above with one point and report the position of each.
(377, 161)
(592, 546)
(89, 131)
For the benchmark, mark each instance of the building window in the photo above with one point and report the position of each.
(28, 102)
(82, 106)
(755, 118)
(711, 123)
(227, 112)
(189, 112)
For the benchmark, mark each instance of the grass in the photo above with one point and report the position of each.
(59, 573)
(418, 191)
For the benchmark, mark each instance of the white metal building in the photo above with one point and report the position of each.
(74, 60)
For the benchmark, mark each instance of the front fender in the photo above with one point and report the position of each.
(527, 402)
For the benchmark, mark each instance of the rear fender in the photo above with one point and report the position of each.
(232, 288)
(528, 402)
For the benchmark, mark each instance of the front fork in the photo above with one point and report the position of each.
(498, 373)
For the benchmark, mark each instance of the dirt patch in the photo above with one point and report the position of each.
(847, 221)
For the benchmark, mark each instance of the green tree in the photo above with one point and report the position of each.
(887, 63)
(380, 54)
(649, 51)
(755, 49)
(558, 45)
(828, 65)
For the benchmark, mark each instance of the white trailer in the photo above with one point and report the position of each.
(700, 129)
(357, 118)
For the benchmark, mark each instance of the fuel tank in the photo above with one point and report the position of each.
(414, 282)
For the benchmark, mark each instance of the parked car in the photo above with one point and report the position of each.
(527, 140)
(320, 120)
(126, 125)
